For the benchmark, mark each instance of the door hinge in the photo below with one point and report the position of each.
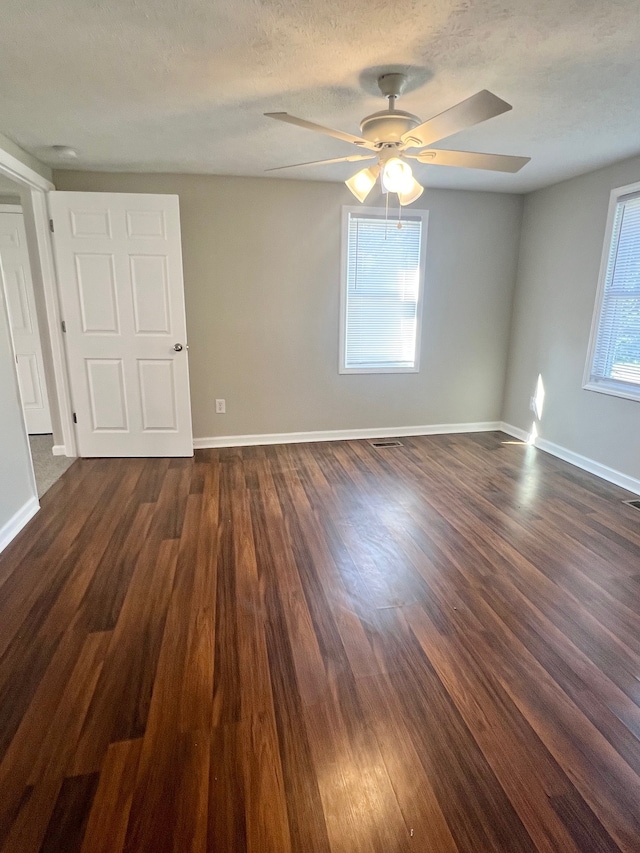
(63, 323)
(75, 418)
(51, 228)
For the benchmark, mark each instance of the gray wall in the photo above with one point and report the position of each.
(16, 483)
(562, 239)
(262, 283)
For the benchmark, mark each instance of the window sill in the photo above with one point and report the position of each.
(347, 370)
(614, 389)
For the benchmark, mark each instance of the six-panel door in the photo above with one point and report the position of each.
(119, 267)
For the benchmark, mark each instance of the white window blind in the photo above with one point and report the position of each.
(382, 294)
(616, 353)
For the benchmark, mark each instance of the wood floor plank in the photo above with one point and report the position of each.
(169, 805)
(264, 797)
(194, 599)
(119, 706)
(227, 819)
(226, 685)
(106, 592)
(68, 822)
(37, 804)
(307, 823)
(417, 800)
(63, 729)
(109, 816)
(323, 648)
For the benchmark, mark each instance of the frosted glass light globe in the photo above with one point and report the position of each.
(363, 182)
(412, 194)
(397, 176)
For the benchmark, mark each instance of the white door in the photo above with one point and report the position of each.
(119, 264)
(16, 275)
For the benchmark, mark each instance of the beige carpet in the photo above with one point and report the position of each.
(47, 467)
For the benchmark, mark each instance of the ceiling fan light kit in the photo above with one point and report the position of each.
(411, 194)
(397, 175)
(363, 182)
(389, 135)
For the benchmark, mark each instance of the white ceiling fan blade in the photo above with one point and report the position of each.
(471, 160)
(353, 158)
(479, 107)
(319, 128)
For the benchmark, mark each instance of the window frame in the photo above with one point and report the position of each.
(612, 387)
(379, 212)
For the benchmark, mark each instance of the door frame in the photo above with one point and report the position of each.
(36, 219)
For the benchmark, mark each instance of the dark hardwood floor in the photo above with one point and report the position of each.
(325, 647)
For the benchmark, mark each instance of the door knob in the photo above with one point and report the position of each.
(177, 347)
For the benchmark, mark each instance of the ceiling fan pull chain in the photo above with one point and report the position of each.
(386, 216)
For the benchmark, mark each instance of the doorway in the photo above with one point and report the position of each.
(29, 350)
(140, 391)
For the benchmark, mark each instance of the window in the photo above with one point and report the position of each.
(613, 364)
(382, 280)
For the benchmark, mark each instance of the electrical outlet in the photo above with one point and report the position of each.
(221, 407)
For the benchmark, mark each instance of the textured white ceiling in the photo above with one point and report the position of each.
(181, 85)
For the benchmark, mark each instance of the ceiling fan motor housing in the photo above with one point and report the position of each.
(387, 126)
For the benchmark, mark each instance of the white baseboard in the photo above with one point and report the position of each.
(611, 475)
(59, 450)
(10, 530)
(340, 435)
(516, 432)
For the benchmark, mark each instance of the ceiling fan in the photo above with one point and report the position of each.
(391, 136)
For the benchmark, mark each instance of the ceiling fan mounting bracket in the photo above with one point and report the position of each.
(392, 85)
